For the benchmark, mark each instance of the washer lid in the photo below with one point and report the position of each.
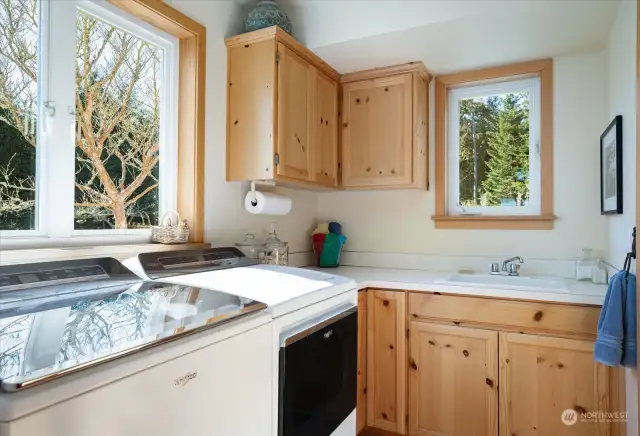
(48, 331)
(271, 284)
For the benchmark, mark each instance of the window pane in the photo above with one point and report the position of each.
(494, 150)
(117, 127)
(19, 21)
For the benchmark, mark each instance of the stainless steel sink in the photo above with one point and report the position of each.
(516, 283)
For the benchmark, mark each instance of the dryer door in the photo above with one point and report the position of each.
(318, 376)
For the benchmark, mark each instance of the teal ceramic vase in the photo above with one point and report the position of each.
(267, 14)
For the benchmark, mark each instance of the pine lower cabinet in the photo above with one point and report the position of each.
(440, 365)
(547, 383)
(386, 360)
(453, 381)
(361, 399)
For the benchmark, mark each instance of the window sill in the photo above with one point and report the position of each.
(487, 222)
(120, 252)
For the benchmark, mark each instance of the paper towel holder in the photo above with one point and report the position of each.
(254, 202)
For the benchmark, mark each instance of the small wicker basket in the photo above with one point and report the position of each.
(168, 233)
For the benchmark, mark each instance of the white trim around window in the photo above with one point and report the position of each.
(531, 86)
(55, 153)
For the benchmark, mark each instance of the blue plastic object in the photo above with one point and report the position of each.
(335, 228)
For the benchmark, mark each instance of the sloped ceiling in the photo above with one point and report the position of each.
(447, 35)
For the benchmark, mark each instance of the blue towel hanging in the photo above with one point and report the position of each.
(616, 340)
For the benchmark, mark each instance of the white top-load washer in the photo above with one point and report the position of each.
(314, 334)
(87, 348)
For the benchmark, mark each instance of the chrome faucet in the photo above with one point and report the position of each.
(507, 266)
(512, 268)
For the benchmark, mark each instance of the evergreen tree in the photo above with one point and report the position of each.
(478, 119)
(508, 164)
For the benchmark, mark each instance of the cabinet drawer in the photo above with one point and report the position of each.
(509, 315)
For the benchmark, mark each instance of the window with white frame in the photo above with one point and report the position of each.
(88, 125)
(493, 152)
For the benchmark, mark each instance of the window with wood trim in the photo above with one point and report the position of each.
(101, 120)
(494, 148)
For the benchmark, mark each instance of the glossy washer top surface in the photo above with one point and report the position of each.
(59, 326)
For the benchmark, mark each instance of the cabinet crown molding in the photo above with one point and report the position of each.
(374, 73)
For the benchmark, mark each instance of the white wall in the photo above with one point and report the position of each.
(400, 221)
(621, 59)
(226, 221)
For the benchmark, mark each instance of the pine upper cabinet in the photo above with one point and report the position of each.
(453, 381)
(361, 405)
(541, 377)
(294, 111)
(384, 128)
(276, 89)
(324, 129)
(386, 360)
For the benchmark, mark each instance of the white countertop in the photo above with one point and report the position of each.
(420, 280)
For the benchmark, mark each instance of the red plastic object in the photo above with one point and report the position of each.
(318, 243)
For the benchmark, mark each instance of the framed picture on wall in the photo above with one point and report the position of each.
(611, 168)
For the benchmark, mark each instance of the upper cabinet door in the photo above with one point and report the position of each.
(294, 105)
(377, 121)
(324, 130)
(541, 378)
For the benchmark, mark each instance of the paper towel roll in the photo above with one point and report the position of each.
(266, 203)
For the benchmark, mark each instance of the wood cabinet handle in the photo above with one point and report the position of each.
(538, 316)
(489, 382)
(385, 302)
(413, 365)
(384, 415)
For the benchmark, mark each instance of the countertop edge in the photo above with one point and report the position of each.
(577, 293)
(546, 297)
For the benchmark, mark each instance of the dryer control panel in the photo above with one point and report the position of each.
(166, 264)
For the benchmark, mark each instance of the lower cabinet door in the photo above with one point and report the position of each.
(549, 386)
(453, 381)
(361, 407)
(386, 361)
